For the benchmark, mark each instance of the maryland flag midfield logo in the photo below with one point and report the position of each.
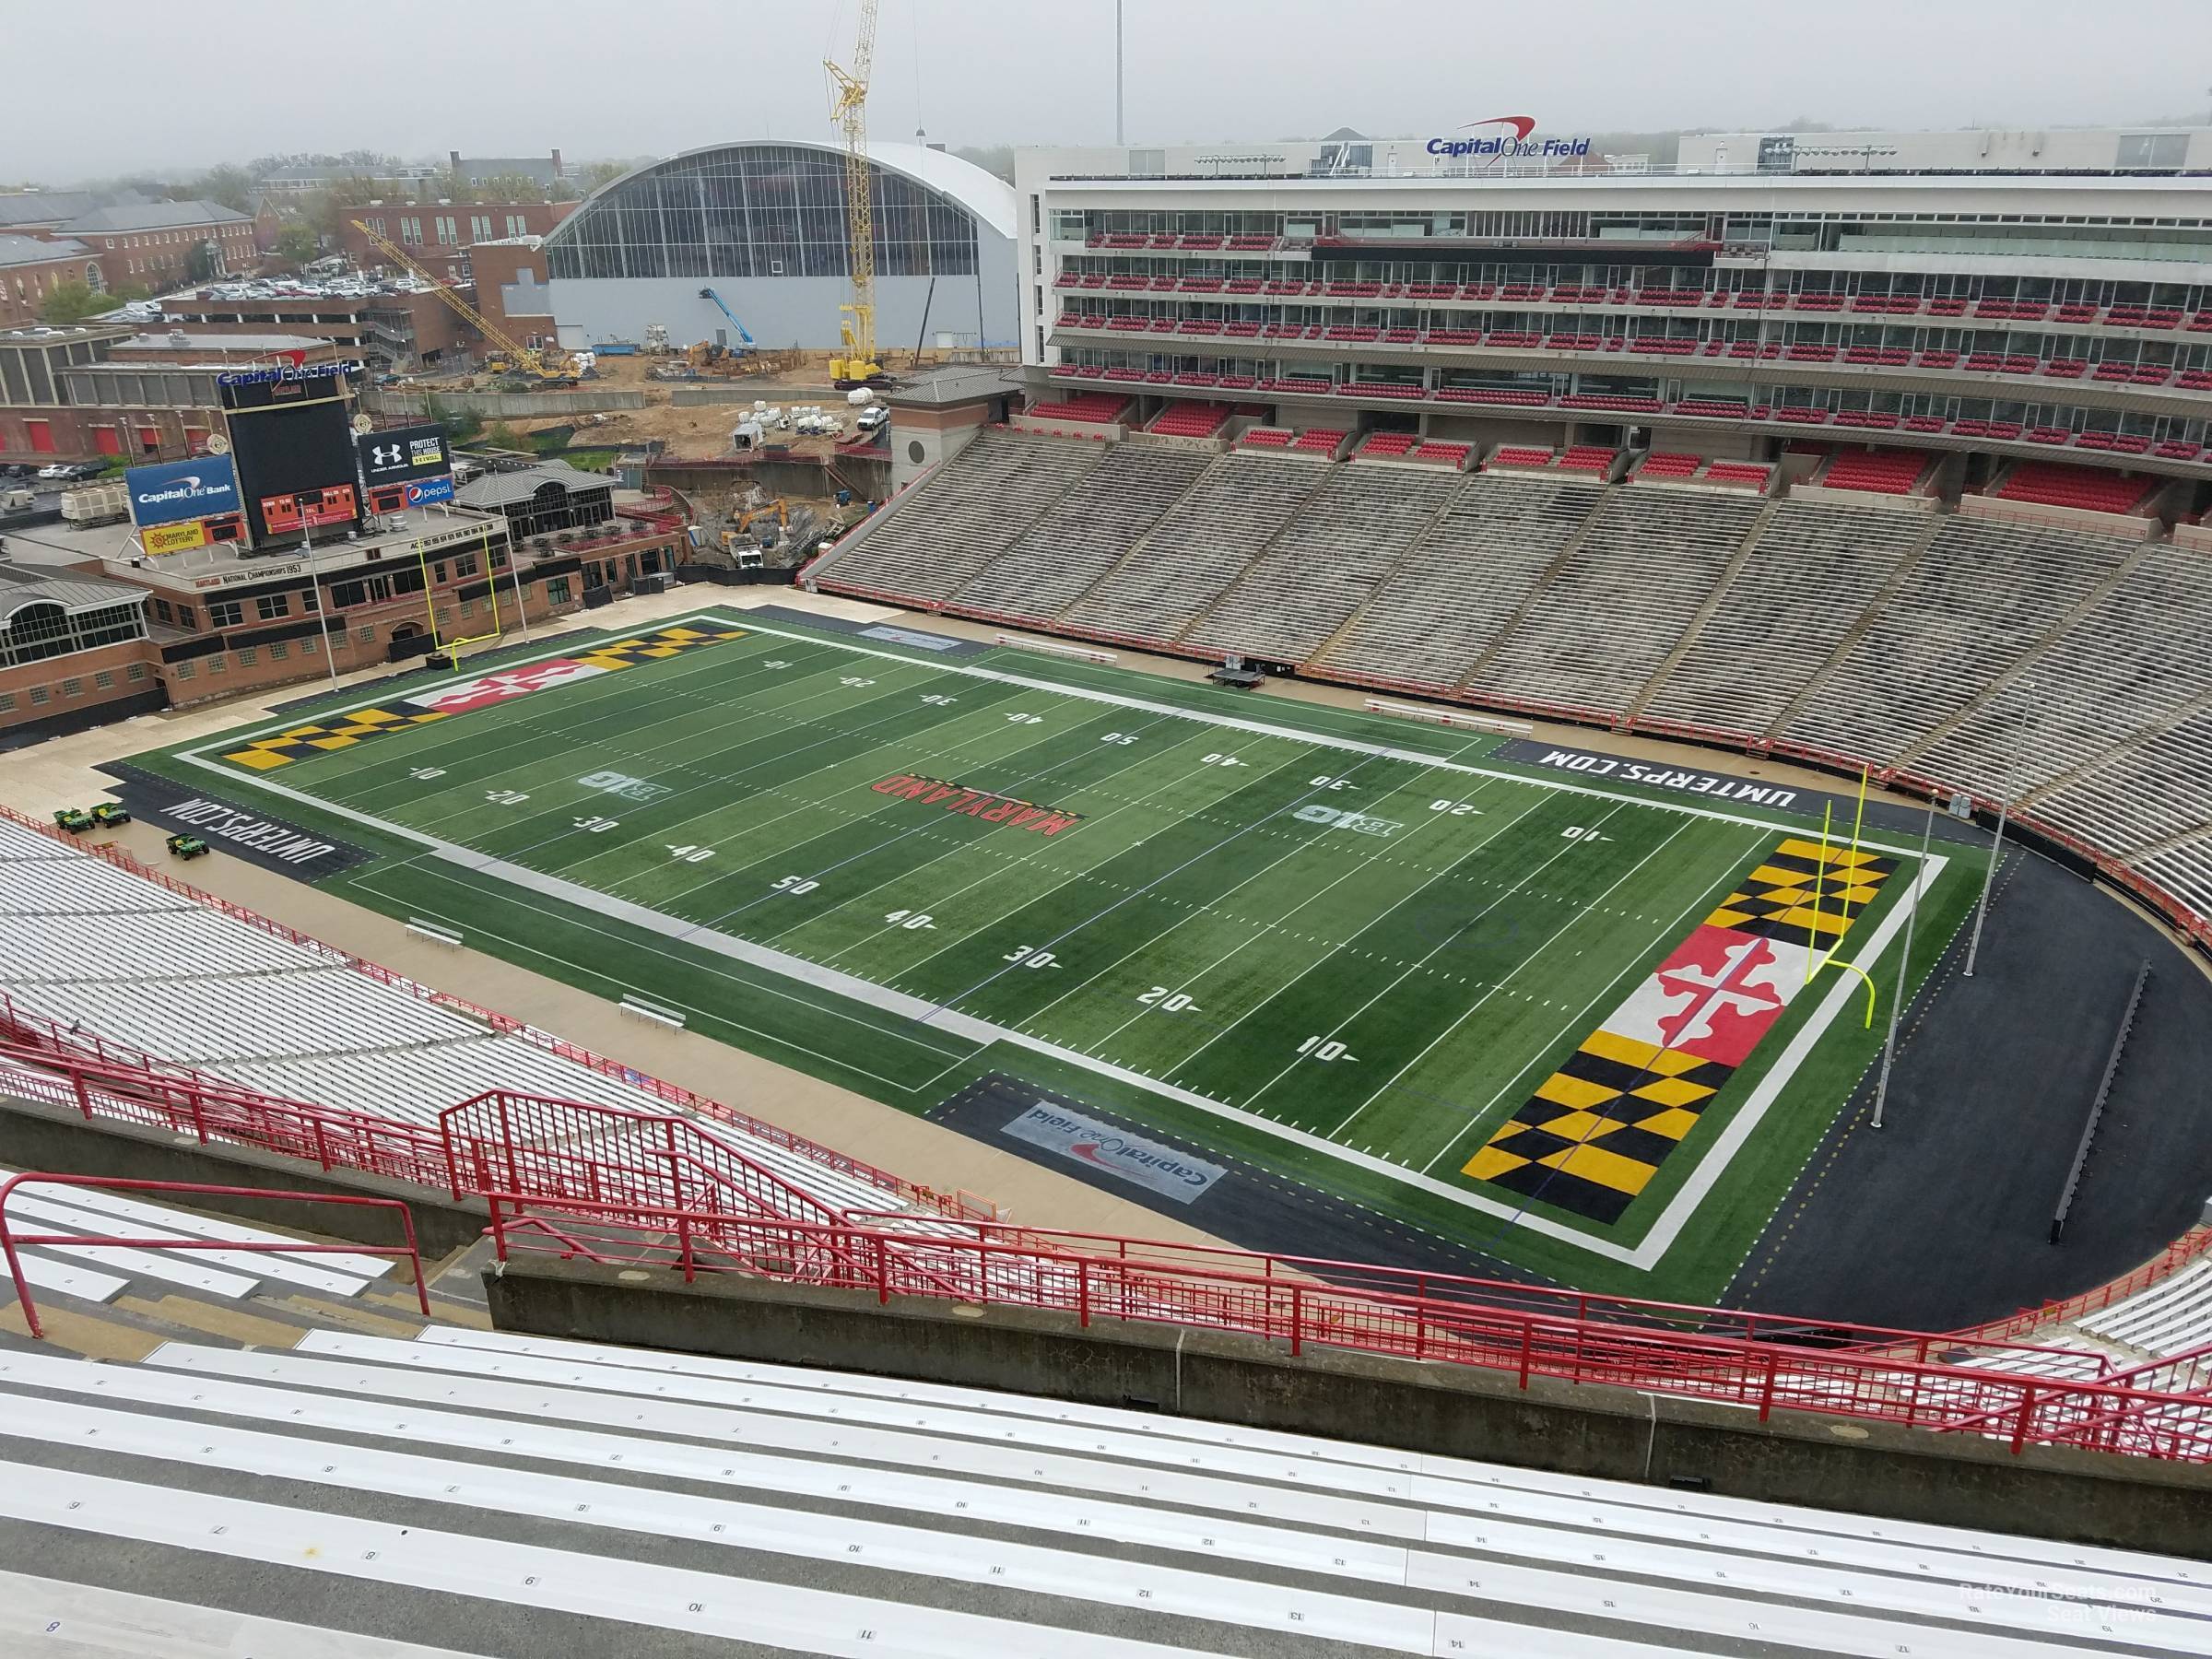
(1595, 1131)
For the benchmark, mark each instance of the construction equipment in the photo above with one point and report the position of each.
(722, 306)
(512, 356)
(656, 336)
(96, 504)
(849, 110)
(107, 815)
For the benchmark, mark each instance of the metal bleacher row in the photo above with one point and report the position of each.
(360, 1497)
(92, 948)
(1966, 649)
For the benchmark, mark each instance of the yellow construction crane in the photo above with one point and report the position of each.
(849, 110)
(521, 357)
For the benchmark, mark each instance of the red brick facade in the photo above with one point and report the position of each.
(437, 235)
(24, 284)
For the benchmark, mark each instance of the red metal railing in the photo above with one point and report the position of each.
(10, 1239)
(1299, 1310)
(955, 1202)
(579, 1203)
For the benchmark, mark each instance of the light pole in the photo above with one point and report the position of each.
(314, 582)
(1904, 964)
(1996, 850)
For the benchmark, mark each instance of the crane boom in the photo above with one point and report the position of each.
(849, 110)
(530, 361)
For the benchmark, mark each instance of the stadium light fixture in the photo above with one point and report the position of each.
(1904, 964)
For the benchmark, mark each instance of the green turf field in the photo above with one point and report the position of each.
(1345, 946)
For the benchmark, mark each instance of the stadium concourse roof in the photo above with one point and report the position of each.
(986, 195)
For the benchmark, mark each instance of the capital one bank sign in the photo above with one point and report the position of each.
(1510, 139)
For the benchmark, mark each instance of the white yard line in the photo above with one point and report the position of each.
(1611, 988)
(1440, 945)
(1260, 933)
(933, 905)
(1582, 915)
(1259, 728)
(1648, 1255)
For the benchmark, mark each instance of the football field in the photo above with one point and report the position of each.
(1555, 1020)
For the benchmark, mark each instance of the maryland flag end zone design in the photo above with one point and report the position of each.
(1595, 1131)
(343, 731)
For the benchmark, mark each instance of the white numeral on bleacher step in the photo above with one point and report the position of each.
(1219, 760)
(1122, 738)
(1315, 1048)
(1025, 720)
(1023, 957)
(942, 702)
(690, 854)
(854, 679)
(1159, 996)
(596, 826)
(505, 798)
(794, 884)
(426, 773)
(913, 921)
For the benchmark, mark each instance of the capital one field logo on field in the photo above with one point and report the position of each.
(1132, 1157)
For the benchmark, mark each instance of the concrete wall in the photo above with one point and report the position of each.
(585, 400)
(1611, 1433)
(35, 1137)
(779, 312)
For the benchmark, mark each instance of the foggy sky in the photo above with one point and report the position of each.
(144, 85)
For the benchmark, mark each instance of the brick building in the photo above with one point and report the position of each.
(438, 235)
(98, 389)
(32, 268)
(151, 243)
(212, 623)
(510, 287)
(395, 328)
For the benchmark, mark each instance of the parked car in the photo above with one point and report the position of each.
(56, 469)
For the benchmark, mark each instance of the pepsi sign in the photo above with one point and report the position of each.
(401, 454)
(177, 490)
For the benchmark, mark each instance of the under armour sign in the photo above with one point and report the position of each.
(401, 455)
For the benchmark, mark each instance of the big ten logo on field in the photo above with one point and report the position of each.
(1333, 818)
(623, 784)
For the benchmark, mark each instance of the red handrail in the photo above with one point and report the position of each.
(1920, 1391)
(10, 1239)
(674, 1094)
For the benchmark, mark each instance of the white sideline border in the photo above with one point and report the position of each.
(1657, 1242)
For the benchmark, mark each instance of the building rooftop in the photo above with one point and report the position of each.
(153, 216)
(226, 343)
(955, 383)
(66, 333)
(44, 206)
(67, 550)
(30, 249)
(21, 587)
(499, 490)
